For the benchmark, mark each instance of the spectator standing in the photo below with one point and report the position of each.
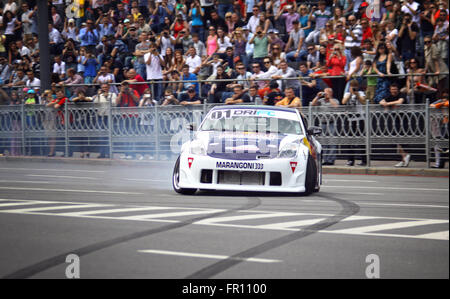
(407, 38)
(325, 99)
(382, 65)
(155, 62)
(355, 98)
(391, 102)
(105, 99)
(89, 36)
(435, 64)
(336, 63)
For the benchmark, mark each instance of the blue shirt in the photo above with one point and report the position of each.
(90, 68)
(88, 38)
(190, 77)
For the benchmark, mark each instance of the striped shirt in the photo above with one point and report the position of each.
(357, 32)
(321, 18)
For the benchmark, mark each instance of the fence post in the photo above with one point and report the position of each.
(427, 131)
(156, 131)
(22, 123)
(66, 129)
(368, 133)
(110, 130)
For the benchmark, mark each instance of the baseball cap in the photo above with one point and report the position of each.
(31, 91)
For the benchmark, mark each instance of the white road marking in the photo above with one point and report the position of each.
(386, 188)
(390, 226)
(307, 222)
(47, 169)
(85, 213)
(71, 190)
(208, 256)
(147, 180)
(65, 207)
(402, 205)
(12, 204)
(245, 217)
(166, 215)
(63, 176)
(368, 231)
(435, 236)
(24, 182)
(351, 181)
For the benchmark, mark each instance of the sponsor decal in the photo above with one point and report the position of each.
(240, 165)
(190, 160)
(293, 166)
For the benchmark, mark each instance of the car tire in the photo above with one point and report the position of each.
(176, 180)
(319, 174)
(311, 177)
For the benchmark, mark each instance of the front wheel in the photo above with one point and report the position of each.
(311, 177)
(176, 180)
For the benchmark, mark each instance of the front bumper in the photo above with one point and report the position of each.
(292, 172)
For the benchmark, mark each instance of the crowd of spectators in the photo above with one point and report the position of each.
(259, 45)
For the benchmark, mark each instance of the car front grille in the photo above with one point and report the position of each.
(233, 177)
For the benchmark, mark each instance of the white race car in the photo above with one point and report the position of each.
(251, 148)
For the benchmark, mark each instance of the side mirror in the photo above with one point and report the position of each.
(314, 131)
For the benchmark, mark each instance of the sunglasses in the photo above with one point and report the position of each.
(310, 49)
(241, 68)
(266, 62)
(427, 42)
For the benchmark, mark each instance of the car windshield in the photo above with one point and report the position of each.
(252, 120)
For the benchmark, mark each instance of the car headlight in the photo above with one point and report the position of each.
(197, 148)
(289, 150)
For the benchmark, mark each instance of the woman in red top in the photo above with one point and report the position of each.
(178, 25)
(336, 64)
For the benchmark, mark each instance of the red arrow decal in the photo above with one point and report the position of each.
(190, 160)
(293, 166)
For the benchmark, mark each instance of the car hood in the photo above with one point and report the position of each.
(244, 145)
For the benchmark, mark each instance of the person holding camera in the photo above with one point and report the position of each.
(355, 98)
(407, 38)
(260, 41)
(127, 124)
(154, 63)
(325, 99)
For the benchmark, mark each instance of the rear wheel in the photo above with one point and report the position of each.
(176, 181)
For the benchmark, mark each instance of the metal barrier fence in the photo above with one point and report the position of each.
(368, 131)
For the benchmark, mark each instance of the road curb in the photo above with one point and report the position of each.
(428, 172)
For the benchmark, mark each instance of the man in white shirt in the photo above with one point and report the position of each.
(154, 63)
(32, 81)
(411, 8)
(23, 50)
(253, 22)
(59, 67)
(198, 45)
(55, 40)
(193, 60)
(271, 69)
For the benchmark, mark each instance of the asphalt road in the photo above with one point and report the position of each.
(126, 222)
